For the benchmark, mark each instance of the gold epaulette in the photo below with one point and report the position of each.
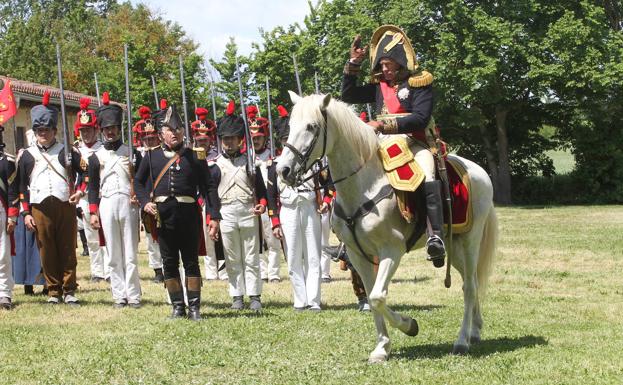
(201, 152)
(423, 79)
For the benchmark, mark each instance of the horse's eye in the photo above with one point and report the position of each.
(312, 128)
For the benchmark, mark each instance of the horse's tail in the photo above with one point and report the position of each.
(488, 244)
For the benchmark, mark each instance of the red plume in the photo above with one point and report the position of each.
(363, 116)
(201, 112)
(282, 111)
(163, 104)
(106, 98)
(84, 103)
(144, 112)
(231, 107)
(46, 98)
(251, 112)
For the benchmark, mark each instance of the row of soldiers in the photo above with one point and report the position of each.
(199, 200)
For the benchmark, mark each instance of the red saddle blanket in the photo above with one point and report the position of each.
(460, 192)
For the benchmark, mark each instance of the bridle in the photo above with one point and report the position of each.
(303, 157)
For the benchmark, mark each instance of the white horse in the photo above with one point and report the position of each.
(322, 126)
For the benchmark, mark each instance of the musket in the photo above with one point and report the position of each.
(316, 83)
(97, 89)
(153, 86)
(196, 116)
(296, 72)
(271, 140)
(249, 141)
(369, 111)
(67, 146)
(129, 111)
(186, 129)
(218, 140)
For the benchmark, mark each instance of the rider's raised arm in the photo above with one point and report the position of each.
(351, 92)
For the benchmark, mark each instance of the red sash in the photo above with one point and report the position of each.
(391, 99)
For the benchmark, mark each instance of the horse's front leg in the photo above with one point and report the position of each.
(378, 297)
(367, 274)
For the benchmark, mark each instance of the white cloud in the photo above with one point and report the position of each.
(210, 23)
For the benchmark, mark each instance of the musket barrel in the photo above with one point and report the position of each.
(271, 140)
(127, 100)
(296, 73)
(316, 83)
(97, 89)
(218, 140)
(153, 85)
(186, 128)
(63, 113)
(249, 141)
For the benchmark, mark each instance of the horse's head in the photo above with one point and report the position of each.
(308, 141)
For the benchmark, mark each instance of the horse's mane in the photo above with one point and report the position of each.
(354, 133)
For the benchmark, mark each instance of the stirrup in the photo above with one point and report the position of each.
(436, 250)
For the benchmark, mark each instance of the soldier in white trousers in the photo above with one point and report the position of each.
(270, 261)
(7, 225)
(87, 130)
(295, 215)
(204, 135)
(147, 136)
(114, 207)
(242, 202)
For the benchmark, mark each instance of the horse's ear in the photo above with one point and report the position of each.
(294, 97)
(325, 101)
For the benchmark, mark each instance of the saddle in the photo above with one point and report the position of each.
(405, 176)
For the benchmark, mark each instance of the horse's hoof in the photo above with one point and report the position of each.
(474, 340)
(377, 358)
(413, 328)
(460, 350)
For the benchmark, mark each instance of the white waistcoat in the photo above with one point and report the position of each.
(263, 161)
(44, 181)
(235, 184)
(114, 171)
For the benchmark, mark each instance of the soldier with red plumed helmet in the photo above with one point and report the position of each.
(270, 260)
(242, 201)
(87, 129)
(403, 96)
(203, 131)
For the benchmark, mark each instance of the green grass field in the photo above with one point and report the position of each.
(553, 315)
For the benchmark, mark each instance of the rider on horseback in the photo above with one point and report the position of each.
(403, 97)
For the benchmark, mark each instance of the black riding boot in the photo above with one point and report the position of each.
(434, 210)
(174, 287)
(85, 245)
(193, 290)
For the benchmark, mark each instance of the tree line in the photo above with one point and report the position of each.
(503, 71)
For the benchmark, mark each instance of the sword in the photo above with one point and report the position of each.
(186, 129)
(443, 174)
(296, 72)
(66, 147)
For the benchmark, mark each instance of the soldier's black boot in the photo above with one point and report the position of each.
(434, 245)
(158, 276)
(193, 290)
(85, 245)
(176, 294)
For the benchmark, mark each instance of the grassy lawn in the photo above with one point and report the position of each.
(553, 315)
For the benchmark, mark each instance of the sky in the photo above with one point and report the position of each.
(211, 22)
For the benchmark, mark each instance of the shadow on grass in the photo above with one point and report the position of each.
(483, 349)
(415, 279)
